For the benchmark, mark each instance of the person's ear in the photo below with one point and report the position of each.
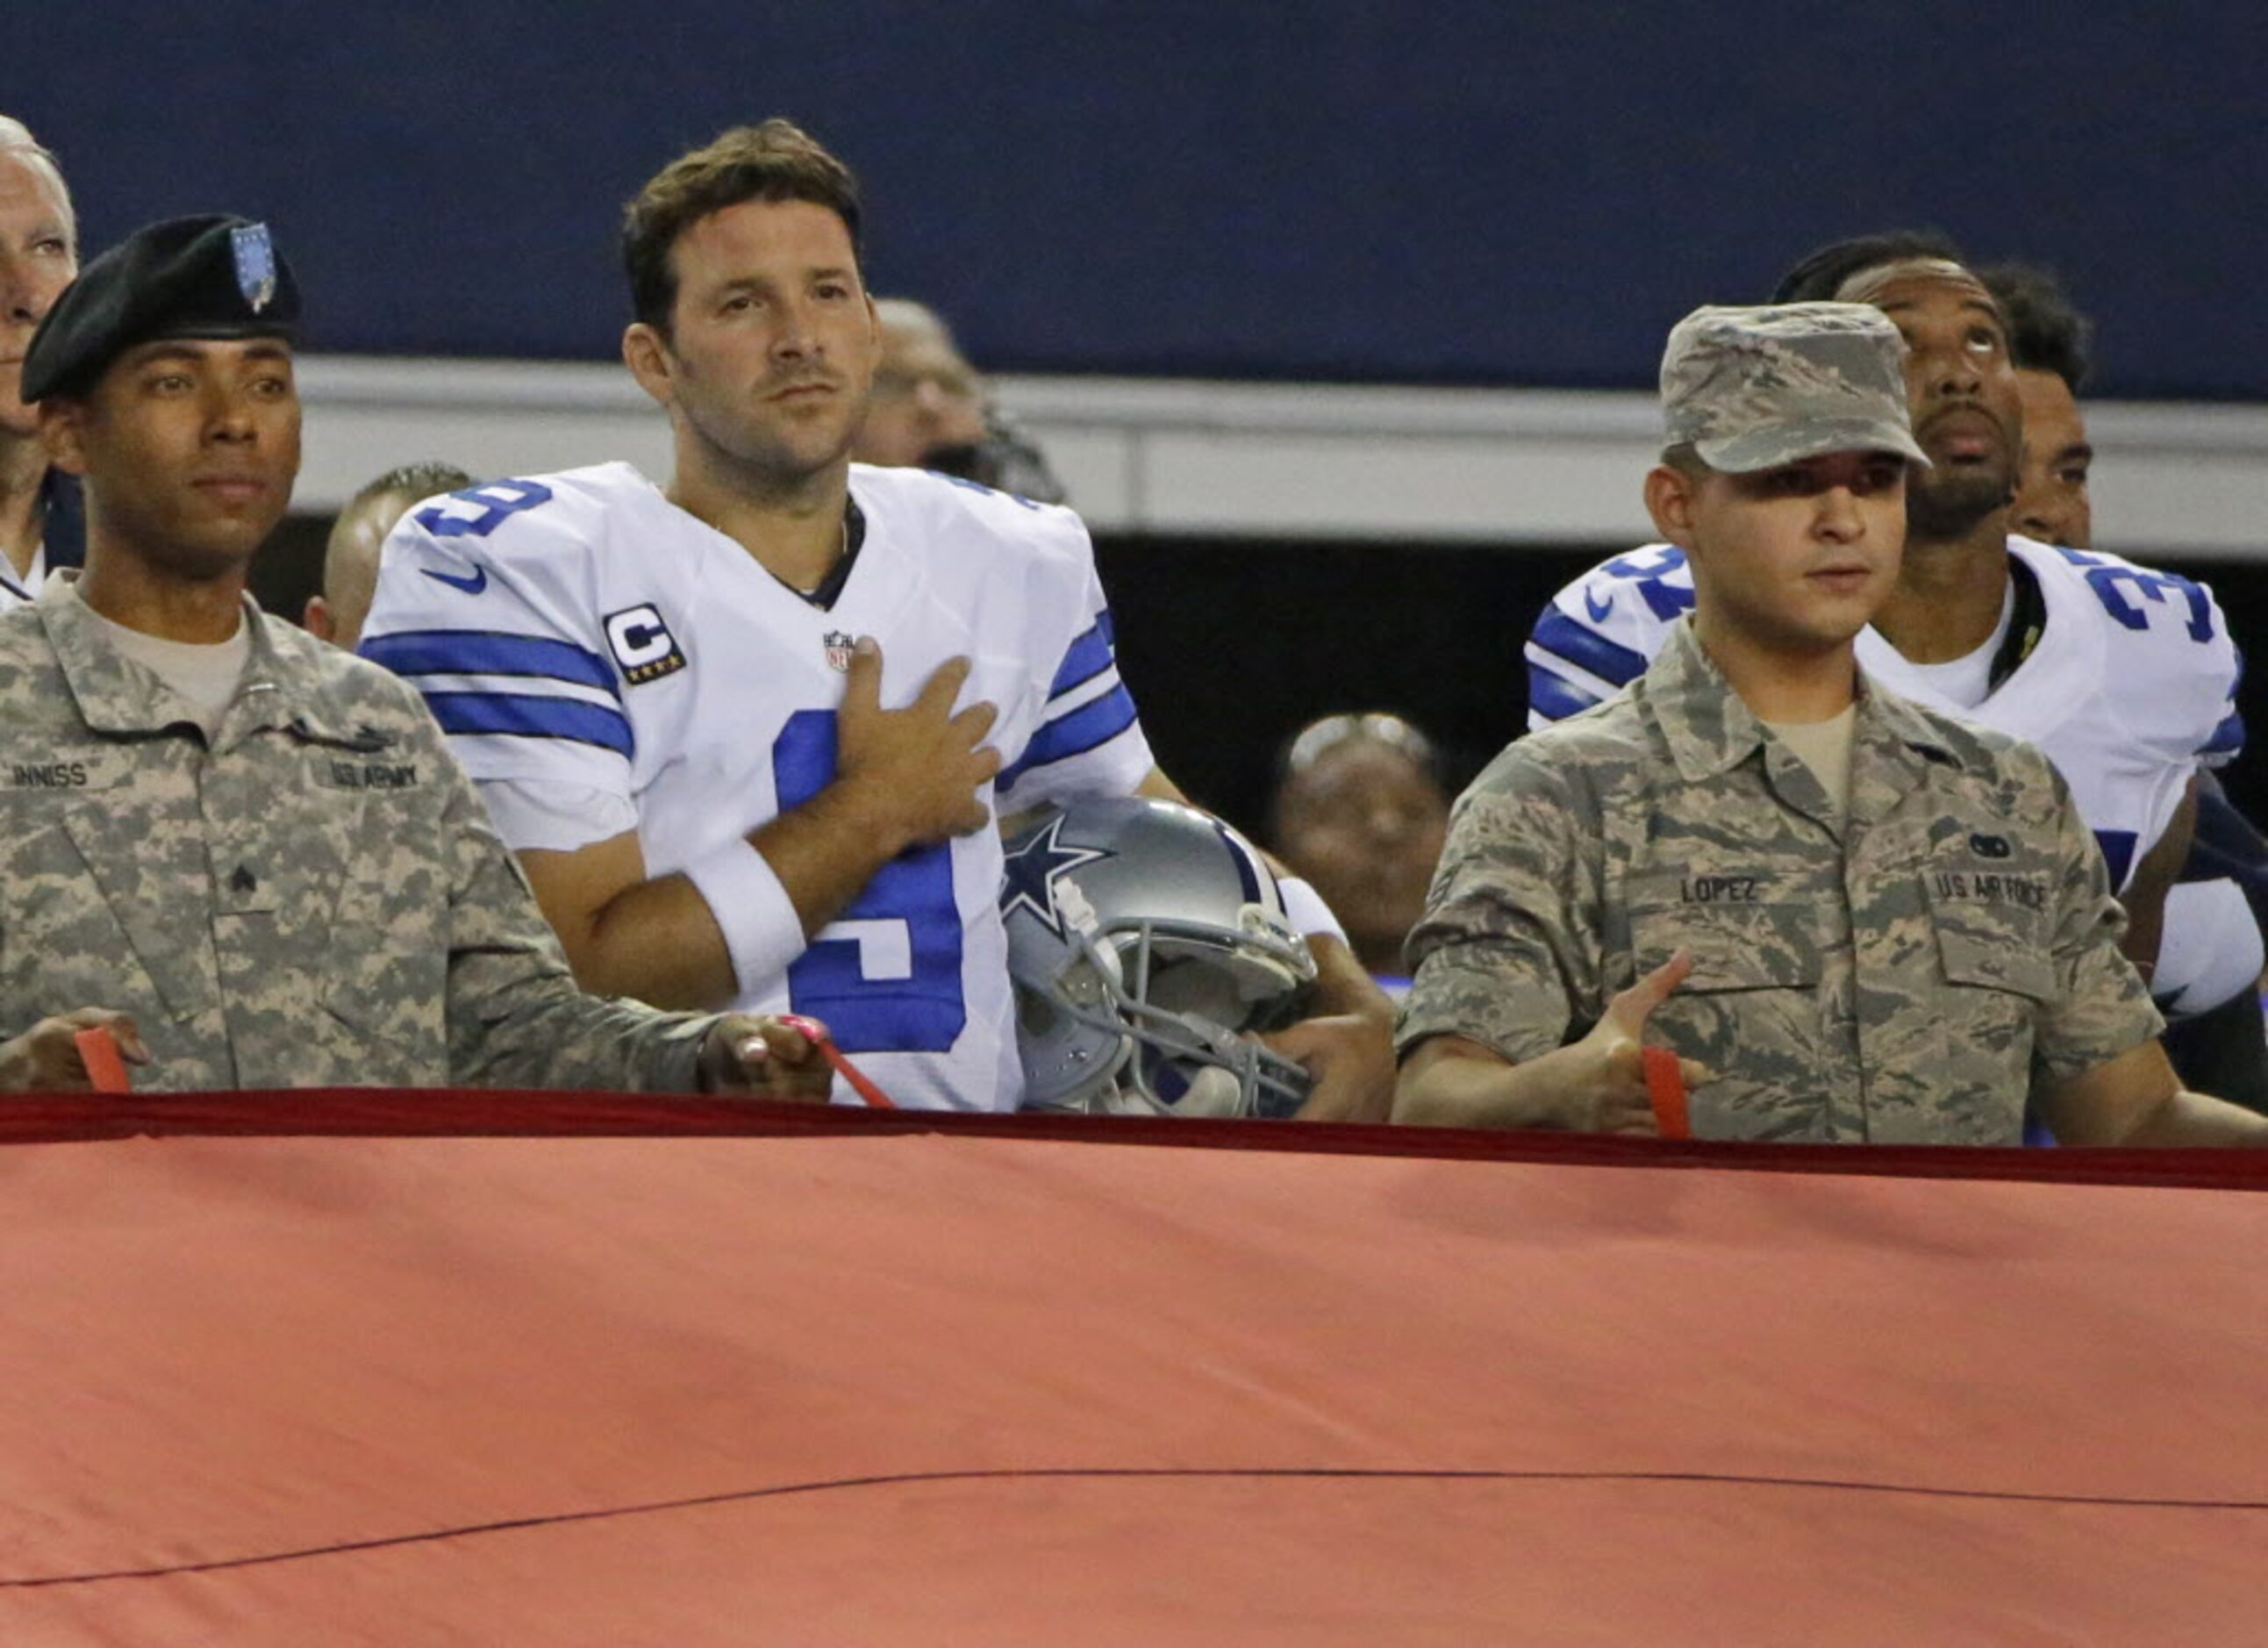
(62, 431)
(646, 353)
(1670, 497)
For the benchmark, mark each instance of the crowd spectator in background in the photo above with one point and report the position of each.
(40, 526)
(931, 410)
(2050, 344)
(1359, 811)
(336, 614)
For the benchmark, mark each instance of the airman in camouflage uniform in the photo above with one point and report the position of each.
(248, 854)
(1899, 975)
(1905, 952)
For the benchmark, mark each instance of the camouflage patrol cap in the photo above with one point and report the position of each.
(1752, 388)
(206, 276)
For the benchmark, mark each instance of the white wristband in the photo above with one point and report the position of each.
(1306, 910)
(763, 931)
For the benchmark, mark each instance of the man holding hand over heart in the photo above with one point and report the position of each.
(1847, 918)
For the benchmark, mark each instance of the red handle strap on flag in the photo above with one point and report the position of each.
(106, 1068)
(815, 1032)
(1665, 1085)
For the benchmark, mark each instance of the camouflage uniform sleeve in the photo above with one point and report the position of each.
(1508, 953)
(516, 1015)
(2101, 1009)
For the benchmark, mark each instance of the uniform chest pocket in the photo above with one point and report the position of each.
(1739, 940)
(383, 964)
(1993, 931)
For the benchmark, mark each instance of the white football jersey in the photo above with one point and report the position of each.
(581, 630)
(2130, 686)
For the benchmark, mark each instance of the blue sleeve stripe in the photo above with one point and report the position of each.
(525, 715)
(2228, 738)
(1550, 697)
(1084, 659)
(1089, 727)
(488, 653)
(1587, 649)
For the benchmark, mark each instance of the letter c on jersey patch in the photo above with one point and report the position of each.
(642, 645)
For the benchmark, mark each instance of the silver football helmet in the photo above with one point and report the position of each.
(1145, 941)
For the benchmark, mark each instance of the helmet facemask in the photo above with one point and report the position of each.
(1152, 1016)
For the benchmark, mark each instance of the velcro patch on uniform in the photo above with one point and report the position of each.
(351, 773)
(2029, 892)
(642, 644)
(45, 775)
(1721, 889)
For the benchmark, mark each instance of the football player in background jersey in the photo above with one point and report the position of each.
(41, 524)
(2211, 950)
(751, 732)
(2049, 343)
(2124, 676)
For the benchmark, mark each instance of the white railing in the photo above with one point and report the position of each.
(1509, 466)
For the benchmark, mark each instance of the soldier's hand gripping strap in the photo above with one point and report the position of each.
(815, 1032)
(97, 1051)
(1665, 1084)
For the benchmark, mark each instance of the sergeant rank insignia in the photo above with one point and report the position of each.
(255, 263)
(838, 649)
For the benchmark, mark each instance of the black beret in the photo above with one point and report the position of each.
(208, 277)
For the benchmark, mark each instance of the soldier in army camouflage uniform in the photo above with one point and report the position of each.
(248, 854)
(1850, 919)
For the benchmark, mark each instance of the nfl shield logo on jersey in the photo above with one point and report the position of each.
(838, 649)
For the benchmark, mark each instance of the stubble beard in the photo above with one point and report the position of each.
(1945, 510)
(765, 464)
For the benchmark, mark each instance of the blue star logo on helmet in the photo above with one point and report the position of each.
(1029, 874)
(255, 263)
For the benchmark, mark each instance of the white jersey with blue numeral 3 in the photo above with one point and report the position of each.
(2131, 687)
(580, 632)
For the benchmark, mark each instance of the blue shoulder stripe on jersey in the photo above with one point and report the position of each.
(488, 653)
(1587, 649)
(1089, 727)
(2228, 738)
(1085, 658)
(524, 715)
(1553, 697)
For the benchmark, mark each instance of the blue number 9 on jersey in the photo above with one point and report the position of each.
(498, 500)
(885, 975)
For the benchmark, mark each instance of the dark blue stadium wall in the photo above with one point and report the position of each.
(1464, 191)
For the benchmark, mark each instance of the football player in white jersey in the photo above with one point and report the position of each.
(42, 524)
(751, 732)
(2124, 676)
(2212, 949)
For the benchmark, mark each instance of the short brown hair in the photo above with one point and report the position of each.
(775, 160)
